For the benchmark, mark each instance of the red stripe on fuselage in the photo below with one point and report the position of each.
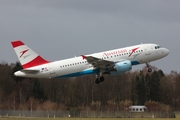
(17, 43)
(35, 62)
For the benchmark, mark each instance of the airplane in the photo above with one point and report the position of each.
(112, 62)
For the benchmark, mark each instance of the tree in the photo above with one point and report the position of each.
(38, 92)
(155, 86)
(140, 89)
(16, 68)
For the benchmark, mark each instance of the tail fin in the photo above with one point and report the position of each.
(27, 57)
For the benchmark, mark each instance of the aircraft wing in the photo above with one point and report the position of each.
(99, 63)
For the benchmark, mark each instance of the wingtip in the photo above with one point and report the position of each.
(83, 57)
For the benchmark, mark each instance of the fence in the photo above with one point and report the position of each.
(87, 114)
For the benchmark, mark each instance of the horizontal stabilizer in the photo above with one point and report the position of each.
(29, 71)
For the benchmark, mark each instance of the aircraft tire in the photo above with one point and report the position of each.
(97, 81)
(101, 79)
(149, 69)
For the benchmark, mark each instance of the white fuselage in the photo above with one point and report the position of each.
(77, 66)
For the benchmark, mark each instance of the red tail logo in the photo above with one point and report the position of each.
(22, 53)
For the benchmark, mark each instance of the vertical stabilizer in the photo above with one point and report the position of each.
(27, 57)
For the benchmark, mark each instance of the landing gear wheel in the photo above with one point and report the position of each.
(97, 81)
(149, 69)
(101, 79)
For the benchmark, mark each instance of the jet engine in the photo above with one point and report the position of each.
(121, 67)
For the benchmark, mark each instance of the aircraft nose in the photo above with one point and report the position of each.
(166, 51)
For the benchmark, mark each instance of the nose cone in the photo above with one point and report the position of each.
(166, 51)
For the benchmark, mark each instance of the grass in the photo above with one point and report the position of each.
(177, 114)
(29, 118)
(21, 118)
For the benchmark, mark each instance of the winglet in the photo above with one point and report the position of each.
(83, 57)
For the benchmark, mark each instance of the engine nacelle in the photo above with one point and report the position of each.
(121, 67)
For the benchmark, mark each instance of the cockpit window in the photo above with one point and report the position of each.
(157, 47)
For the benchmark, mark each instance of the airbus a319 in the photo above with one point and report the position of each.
(112, 62)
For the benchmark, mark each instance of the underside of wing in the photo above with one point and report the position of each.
(99, 63)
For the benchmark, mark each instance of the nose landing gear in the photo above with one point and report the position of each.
(149, 67)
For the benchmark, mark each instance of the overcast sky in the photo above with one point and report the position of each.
(59, 29)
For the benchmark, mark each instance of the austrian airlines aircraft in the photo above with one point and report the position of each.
(111, 62)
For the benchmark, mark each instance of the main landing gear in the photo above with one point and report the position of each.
(99, 78)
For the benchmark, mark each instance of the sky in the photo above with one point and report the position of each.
(59, 29)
